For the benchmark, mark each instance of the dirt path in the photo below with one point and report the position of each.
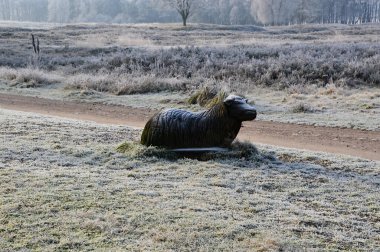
(360, 143)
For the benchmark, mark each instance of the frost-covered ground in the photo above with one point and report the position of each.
(64, 187)
(324, 106)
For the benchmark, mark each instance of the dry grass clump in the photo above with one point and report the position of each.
(124, 84)
(203, 96)
(301, 108)
(300, 89)
(28, 77)
(292, 158)
(100, 83)
(137, 150)
(151, 84)
(207, 97)
(334, 89)
(368, 106)
(240, 151)
(244, 151)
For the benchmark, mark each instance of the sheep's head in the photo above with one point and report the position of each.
(239, 108)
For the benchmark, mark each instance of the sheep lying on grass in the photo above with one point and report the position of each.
(216, 127)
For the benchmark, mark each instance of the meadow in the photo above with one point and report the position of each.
(66, 186)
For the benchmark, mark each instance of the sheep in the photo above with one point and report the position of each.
(216, 127)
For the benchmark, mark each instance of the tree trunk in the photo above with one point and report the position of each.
(184, 20)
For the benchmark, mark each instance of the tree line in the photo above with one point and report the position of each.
(227, 12)
(280, 12)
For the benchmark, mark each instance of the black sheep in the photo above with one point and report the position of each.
(216, 127)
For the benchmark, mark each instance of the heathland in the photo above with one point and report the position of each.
(66, 186)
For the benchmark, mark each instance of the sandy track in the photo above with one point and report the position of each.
(360, 143)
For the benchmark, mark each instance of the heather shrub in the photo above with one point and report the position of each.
(149, 83)
(165, 63)
(243, 67)
(124, 84)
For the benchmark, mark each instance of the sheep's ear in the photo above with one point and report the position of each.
(229, 100)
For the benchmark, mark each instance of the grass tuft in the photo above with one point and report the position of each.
(207, 97)
(238, 151)
(301, 108)
(28, 77)
(139, 151)
(367, 106)
(203, 96)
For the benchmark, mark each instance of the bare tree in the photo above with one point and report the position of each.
(35, 59)
(184, 7)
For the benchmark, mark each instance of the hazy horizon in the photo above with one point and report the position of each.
(225, 12)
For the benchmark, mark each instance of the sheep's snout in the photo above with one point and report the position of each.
(248, 113)
(243, 111)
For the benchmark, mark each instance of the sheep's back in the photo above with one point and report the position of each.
(177, 128)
